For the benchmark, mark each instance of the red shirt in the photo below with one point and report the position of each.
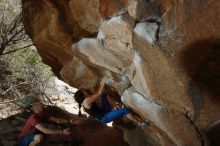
(33, 120)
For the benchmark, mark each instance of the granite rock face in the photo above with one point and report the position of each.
(163, 57)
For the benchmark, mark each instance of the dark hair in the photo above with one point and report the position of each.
(79, 97)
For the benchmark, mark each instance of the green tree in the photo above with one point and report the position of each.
(12, 31)
(22, 72)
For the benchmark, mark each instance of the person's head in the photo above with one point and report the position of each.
(79, 97)
(38, 107)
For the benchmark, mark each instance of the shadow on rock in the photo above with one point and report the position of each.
(201, 61)
(214, 136)
(91, 132)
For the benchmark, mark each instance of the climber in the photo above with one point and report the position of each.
(104, 114)
(33, 130)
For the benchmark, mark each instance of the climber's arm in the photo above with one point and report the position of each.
(63, 121)
(45, 130)
(58, 120)
(94, 97)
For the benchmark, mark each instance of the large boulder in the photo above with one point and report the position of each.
(162, 56)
